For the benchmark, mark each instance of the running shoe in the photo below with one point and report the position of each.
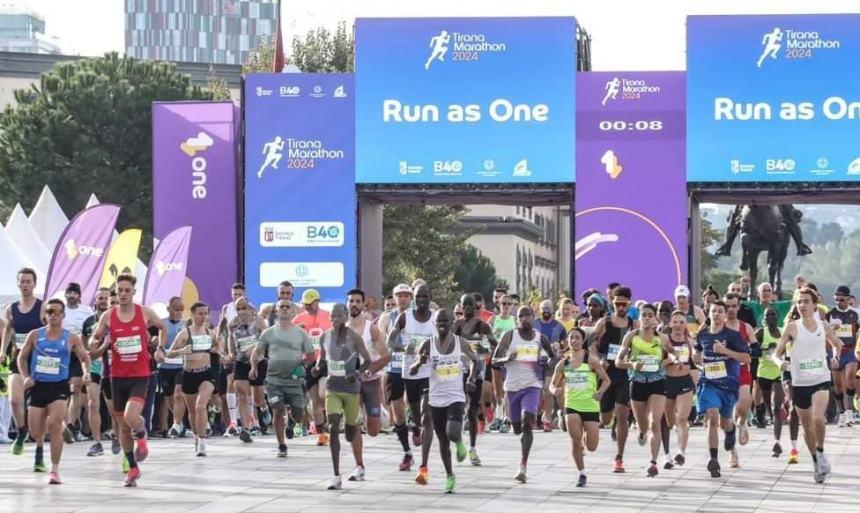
(461, 451)
(256, 431)
(282, 451)
(406, 464)
(115, 446)
(334, 483)
(729, 442)
(680, 459)
(18, 446)
(744, 434)
(423, 476)
(132, 477)
(322, 439)
(54, 478)
(495, 424)
(714, 468)
(521, 474)
(201, 447)
(842, 422)
(652, 470)
(289, 431)
(96, 450)
(174, 431)
(473, 458)
(416, 437)
(547, 427)
(450, 483)
(505, 427)
(68, 436)
(232, 430)
(357, 474)
(793, 456)
(582, 480)
(642, 439)
(668, 465)
(39, 466)
(817, 474)
(777, 450)
(298, 431)
(141, 449)
(823, 464)
(482, 427)
(619, 466)
(266, 417)
(245, 436)
(733, 459)
(124, 464)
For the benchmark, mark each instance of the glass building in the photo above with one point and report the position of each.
(207, 31)
(23, 30)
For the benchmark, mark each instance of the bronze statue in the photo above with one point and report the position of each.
(764, 228)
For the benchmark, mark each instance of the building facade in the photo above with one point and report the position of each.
(23, 30)
(202, 31)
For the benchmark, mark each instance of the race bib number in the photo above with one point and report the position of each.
(576, 380)
(47, 365)
(612, 354)
(20, 338)
(810, 367)
(129, 345)
(448, 371)
(337, 368)
(715, 370)
(247, 343)
(844, 331)
(201, 343)
(397, 360)
(683, 354)
(527, 353)
(649, 363)
(174, 361)
(315, 343)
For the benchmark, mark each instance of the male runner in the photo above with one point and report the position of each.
(519, 351)
(315, 321)
(742, 406)
(554, 331)
(94, 416)
(170, 370)
(845, 322)
(76, 314)
(494, 394)
(228, 313)
(44, 364)
(695, 315)
(244, 333)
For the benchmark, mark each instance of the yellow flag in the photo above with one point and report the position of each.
(122, 257)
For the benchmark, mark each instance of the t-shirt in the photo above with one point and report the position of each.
(486, 315)
(552, 330)
(720, 371)
(75, 318)
(315, 325)
(285, 349)
(782, 308)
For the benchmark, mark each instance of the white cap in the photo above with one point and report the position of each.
(682, 290)
(401, 288)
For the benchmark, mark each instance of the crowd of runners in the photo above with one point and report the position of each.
(117, 373)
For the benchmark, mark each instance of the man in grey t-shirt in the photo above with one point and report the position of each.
(287, 346)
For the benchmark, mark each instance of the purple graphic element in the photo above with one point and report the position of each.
(81, 251)
(631, 191)
(167, 267)
(194, 176)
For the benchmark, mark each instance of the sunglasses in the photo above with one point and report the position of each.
(284, 307)
(458, 314)
(621, 303)
(53, 311)
(506, 304)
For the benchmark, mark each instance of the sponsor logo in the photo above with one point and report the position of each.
(166, 267)
(191, 147)
(404, 168)
(339, 92)
(317, 92)
(822, 167)
(289, 91)
(739, 167)
(611, 164)
(302, 274)
(448, 167)
(854, 167)
(793, 44)
(522, 168)
(466, 47)
(780, 166)
(74, 250)
(301, 234)
(262, 91)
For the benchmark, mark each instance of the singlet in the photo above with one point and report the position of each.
(246, 337)
(199, 344)
(446, 375)
(129, 349)
(414, 334)
(682, 350)
(342, 361)
(610, 346)
(525, 371)
(367, 338)
(650, 354)
(173, 329)
(843, 327)
(395, 365)
(24, 323)
(809, 356)
(501, 326)
(767, 369)
(49, 361)
(580, 384)
(478, 343)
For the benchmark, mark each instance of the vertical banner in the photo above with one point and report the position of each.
(80, 253)
(167, 268)
(122, 257)
(300, 184)
(194, 176)
(631, 191)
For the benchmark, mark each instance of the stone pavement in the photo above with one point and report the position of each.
(250, 478)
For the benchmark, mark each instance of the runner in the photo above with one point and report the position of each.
(744, 402)
(679, 387)
(647, 353)
(769, 374)
(554, 331)
(579, 372)
(615, 403)
(447, 398)
(479, 336)
(94, 416)
(371, 386)
(810, 377)
(22, 317)
(244, 333)
(695, 315)
(415, 326)
(75, 315)
(495, 411)
(47, 353)
(845, 322)
(394, 385)
(288, 346)
(228, 313)
(497, 298)
(720, 351)
(130, 372)
(482, 313)
(519, 351)
(170, 371)
(315, 321)
(340, 349)
(568, 312)
(196, 343)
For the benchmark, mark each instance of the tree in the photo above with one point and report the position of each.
(87, 128)
(476, 273)
(711, 274)
(319, 51)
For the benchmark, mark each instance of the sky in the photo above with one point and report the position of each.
(632, 35)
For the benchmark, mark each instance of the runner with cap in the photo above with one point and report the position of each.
(845, 322)
(76, 314)
(555, 332)
(695, 315)
(314, 320)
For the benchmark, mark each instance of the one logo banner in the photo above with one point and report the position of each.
(631, 191)
(167, 268)
(465, 100)
(194, 175)
(299, 184)
(80, 253)
(773, 98)
(122, 257)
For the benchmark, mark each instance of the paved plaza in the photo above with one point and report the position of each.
(235, 477)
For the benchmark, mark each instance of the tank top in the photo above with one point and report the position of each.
(478, 343)
(342, 361)
(682, 350)
(173, 329)
(809, 356)
(446, 375)
(129, 350)
(580, 385)
(414, 334)
(49, 361)
(501, 326)
(246, 337)
(525, 371)
(24, 323)
(767, 369)
(367, 337)
(650, 354)
(610, 345)
(395, 365)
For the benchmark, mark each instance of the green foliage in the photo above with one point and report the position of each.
(216, 86)
(87, 128)
(262, 58)
(476, 273)
(320, 51)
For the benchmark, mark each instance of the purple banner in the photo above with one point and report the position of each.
(631, 190)
(80, 253)
(167, 267)
(194, 184)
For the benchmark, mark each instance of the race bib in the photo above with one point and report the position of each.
(47, 365)
(715, 370)
(315, 343)
(448, 371)
(201, 343)
(485, 343)
(175, 361)
(20, 338)
(612, 354)
(129, 345)
(576, 380)
(527, 353)
(810, 367)
(649, 363)
(337, 368)
(844, 331)
(247, 343)
(683, 354)
(397, 360)
(96, 367)
(414, 344)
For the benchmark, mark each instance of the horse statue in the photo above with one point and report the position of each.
(764, 228)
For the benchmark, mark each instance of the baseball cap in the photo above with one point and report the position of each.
(309, 296)
(842, 290)
(682, 290)
(401, 288)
